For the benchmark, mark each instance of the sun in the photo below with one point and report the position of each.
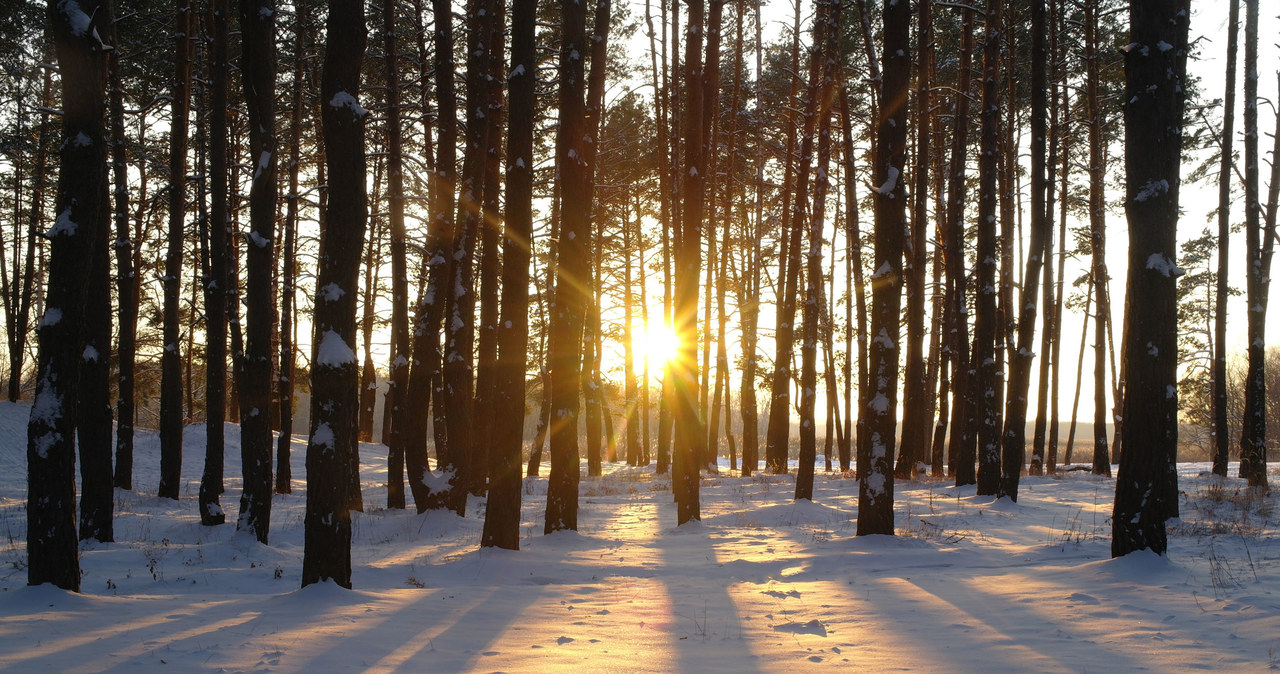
(657, 345)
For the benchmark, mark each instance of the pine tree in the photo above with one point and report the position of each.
(334, 379)
(1155, 68)
(170, 359)
(258, 76)
(502, 516)
(875, 485)
(79, 229)
(568, 311)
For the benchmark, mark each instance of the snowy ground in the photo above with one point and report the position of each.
(761, 584)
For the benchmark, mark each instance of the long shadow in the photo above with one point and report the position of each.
(706, 614)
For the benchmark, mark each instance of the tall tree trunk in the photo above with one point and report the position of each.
(875, 485)
(1048, 337)
(258, 76)
(334, 380)
(171, 416)
(1051, 460)
(93, 417)
(1253, 438)
(288, 291)
(569, 308)
(127, 279)
(826, 54)
(777, 447)
(459, 367)
(749, 301)
(690, 434)
(1015, 418)
(215, 290)
(502, 516)
(93, 423)
(986, 323)
(80, 228)
(960, 444)
(1146, 488)
(490, 238)
(424, 372)
(853, 236)
(400, 343)
(916, 408)
(1097, 239)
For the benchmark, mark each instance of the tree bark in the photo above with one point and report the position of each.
(1253, 440)
(334, 379)
(77, 233)
(960, 444)
(569, 308)
(1097, 239)
(986, 323)
(875, 485)
(128, 284)
(823, 69)
(1146, 487)
(502, 516)
(215, 280)
(258, 76)
(917, 412)
(424, 373)
(171, 417)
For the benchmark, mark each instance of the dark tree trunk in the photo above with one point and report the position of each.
(875, 485)
(821, 93)
(960, 447)
(1221, 433)
(986, 322)
(1097, 239)
(424, 372)
(564, 350)
(1048, 335)
(690, 434)
(777, 433)
(708, 406)
(1253, 438)
(334, 379)
(490, 238)
(459, 366)
(1146, 487)
(400, 342)
(1015, 418)
(502, 516)
(288, 291)
(93, 422)
(258, 76)
(917, 412)
(127, 281)
(215, 280)
(77, 233)
(853, 235)
(171, 417)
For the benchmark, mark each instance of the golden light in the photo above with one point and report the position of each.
(657, 345)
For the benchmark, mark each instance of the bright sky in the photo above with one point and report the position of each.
(1208, 26)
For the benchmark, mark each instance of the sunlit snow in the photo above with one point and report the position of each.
(762, 584)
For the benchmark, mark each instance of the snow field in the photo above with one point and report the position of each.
(761, 584)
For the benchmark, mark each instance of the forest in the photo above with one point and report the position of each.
(677, 235)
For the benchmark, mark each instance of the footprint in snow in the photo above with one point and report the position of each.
(782, 595)
(564, 640)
